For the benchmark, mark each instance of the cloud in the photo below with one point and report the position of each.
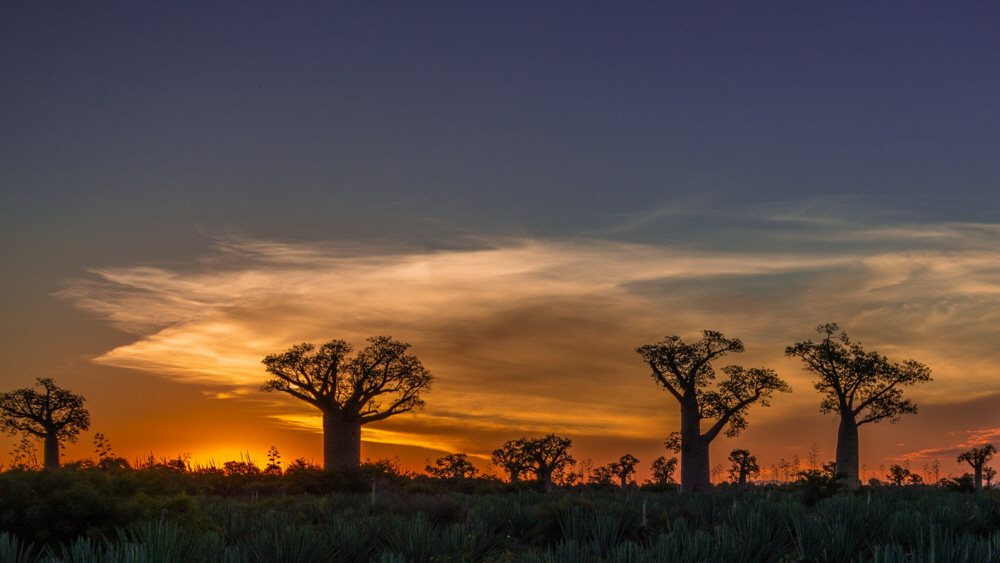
(530, 335)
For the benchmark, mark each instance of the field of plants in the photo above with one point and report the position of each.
(91, 515)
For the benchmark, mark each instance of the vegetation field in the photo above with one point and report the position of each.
(372, 515)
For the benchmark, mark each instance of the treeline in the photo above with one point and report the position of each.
(382, 380)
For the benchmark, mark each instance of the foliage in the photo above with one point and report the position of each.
(545, 457)
(332, 381)
(685, 370)
(452, 466)
(513, 458)
(855, 382)
(765, 525)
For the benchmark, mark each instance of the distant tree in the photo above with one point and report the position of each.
(623, 469)
(513, 458)
(603, 475)
(663, 470)
(350, 391)
(55, 415)
(548, 455)
(744, 466)
(685, 370)
(898, 475)
(241, 468)
(861, 387)
(977, 457)
(452, 466)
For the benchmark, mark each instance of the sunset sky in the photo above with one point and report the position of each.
(523, 191)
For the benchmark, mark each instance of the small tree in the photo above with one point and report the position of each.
(899, 475)
(513, 459)
(663, 470)
(53, 416)
(977, 457)
(685, 370)
(603, 475)
(350, 391)
(548, 455)
(452, 466)
(623, 469)
(861, 387)
(989, 474)
(744, 466)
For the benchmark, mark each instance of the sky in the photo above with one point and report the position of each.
(523, 191)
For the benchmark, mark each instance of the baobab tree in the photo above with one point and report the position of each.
(382, 380)
(663, 470)
(55, 415)
(744, 466)
(624, 468)
(978, 457)
(513, 459)
(685, 370)
(861, 387)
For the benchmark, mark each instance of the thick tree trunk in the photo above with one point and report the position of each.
(544, 474)
(977, 470)
(51, 451)
(341, 441)
(847, 450)
(743, 478)
(696, 473)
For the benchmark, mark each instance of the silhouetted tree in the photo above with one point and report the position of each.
(513, 459)
(663, 470)
(548, 455)
(452, 466)
(53, 416)
(744, 466)
(347, 390)
(861, 387)
(989, 473)
(623, 469)
(685, 370)
(603, 475)
(898, 475)
(977, 457)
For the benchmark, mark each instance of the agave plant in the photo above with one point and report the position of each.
(13, 550)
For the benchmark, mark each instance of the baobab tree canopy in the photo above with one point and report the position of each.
(382, 380)
(54, 415)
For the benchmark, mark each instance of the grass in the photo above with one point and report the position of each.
(79, 516)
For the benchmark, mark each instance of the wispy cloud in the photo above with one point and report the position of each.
(528, 335)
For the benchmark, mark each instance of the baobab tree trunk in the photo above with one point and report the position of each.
(977, 470)
(847, 450)
(341, 441)
(696, 473)
(51, 451)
